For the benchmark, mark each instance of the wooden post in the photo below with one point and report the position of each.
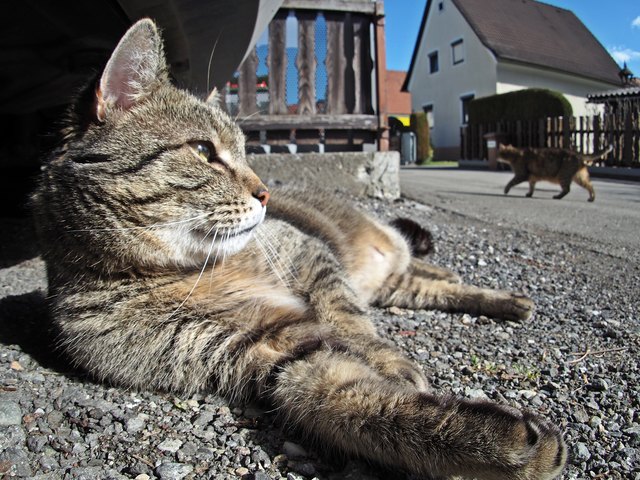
(335, 63)
(381, 83)
(306, 62)
(348, 50)
(277, 61)
(596, 133)
(566, 132)
(247, 92)
(628, 136)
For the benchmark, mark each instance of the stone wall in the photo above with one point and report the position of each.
(373, 174)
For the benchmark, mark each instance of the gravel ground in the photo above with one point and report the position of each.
(575, 361)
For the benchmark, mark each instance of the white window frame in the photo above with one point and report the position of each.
(455, 43)
(429, 56)
(428, 109)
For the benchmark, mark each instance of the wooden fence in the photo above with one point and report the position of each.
(582, 134)
(331, 63)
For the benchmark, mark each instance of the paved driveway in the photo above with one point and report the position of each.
(611, 223)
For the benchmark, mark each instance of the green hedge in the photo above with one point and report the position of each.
(529, 104)
(420, 126)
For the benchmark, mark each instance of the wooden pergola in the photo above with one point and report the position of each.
(352, 111)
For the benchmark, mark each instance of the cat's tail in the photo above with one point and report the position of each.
(589, 159)
(420, 239)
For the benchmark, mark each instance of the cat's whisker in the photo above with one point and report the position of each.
(267, 257)
(213, 50)
(147, 227)
(206, 262)
(290, 266)
(272, 257)
(240, 120)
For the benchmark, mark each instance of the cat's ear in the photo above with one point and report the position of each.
(136, 66)
(214, 98)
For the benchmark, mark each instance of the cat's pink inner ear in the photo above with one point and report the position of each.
(135, 65)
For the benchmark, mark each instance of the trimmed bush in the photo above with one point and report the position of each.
(420, 126)
(529, 104)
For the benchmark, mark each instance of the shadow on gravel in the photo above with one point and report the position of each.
(25, 321)
(18, 241)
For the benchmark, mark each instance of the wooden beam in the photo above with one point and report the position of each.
(335, 62)
(381, 70)
(247, 91)
(310, 122)
(277, 61)
(306, 62)
(331, 5)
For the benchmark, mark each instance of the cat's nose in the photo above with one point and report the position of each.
(262, 194)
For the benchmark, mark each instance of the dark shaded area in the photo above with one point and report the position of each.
(25, 321)
(18, 240)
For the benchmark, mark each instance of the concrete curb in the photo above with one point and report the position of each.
(372, 174)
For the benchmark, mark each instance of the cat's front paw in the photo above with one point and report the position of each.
(519, 307)
(536, 449)
(509, 306)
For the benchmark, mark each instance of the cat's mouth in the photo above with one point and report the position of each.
(238, 233)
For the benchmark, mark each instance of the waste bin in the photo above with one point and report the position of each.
(408, 148)
(493, 140)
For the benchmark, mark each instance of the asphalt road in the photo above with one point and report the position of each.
(610, 224)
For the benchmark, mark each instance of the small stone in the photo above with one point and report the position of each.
(135, 424)
(203, 419)
(16, 366)
(48, 463)
(142, 476)
(10, 414)
(598, 385)
(170, 445)
(20, 461)
(528, 394)
(396, 311)
(242, 471)
(475, 393)
(581, 452)
(55, 419)
(261, 476)
(173, 471)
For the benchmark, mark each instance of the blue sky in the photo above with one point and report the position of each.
(615, 23)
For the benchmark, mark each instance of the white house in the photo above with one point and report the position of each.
(468, 49)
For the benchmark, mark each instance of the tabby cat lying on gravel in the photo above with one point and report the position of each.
(164, 275)
(555, 165)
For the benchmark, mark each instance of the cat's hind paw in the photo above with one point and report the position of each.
(538, 447)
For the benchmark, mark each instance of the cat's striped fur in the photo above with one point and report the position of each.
(163, 275)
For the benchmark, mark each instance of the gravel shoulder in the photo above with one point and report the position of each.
(575, 361)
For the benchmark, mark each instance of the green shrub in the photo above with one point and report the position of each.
(529, 104)
(420, 126)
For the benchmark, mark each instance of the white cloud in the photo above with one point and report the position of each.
(636, 22)
(622, 54)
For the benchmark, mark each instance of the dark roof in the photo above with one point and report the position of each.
(530, 32)
(601, 97)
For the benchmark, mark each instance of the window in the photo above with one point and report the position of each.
(457, 51)
(428, 109)
(441, 6)
(465, 107)
(434, 66)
